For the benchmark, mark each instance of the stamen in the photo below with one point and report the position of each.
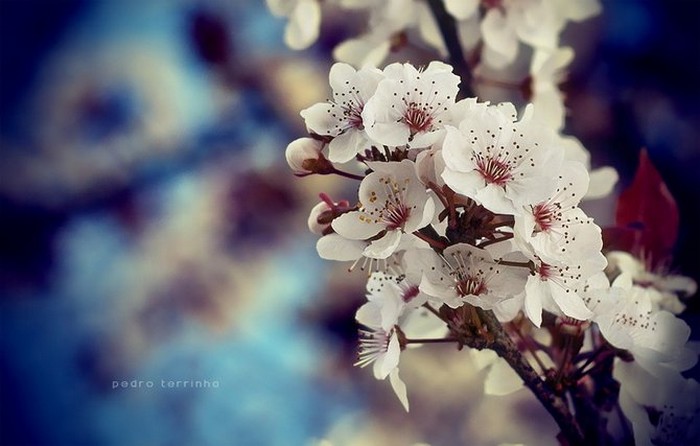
(493, 169)
(416, 118)
(372, 345)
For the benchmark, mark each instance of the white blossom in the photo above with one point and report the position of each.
(656, 339)
(410, 107)
(664, 410)
(602, 179)
(537, 23)
(546, 73)
(501, 164)
(341, 118)
(465, 274)
(394, 201)
(556, 225)
(390, 302)
(387, 19)
(553, 287)
(669, 286)
(304, 21)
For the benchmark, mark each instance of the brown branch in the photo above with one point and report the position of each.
(555, 405)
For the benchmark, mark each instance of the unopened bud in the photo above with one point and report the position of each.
(318, 225)
(302, 155)
(322, 215)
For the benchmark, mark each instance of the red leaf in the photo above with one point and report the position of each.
(648, 208)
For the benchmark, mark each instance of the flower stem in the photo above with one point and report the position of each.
(555, 405)
(348, 175)
(437, 244)
(430, 341)
(434, 311)
(529, 345)
(496, 240)
(448, 29)
(527, 265)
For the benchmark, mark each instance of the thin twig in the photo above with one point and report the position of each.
(430, 341)
(529, 346)
(437, 244)
(348, 175)
(496, 240)
(434, 311)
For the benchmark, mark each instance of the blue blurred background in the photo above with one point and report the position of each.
(150, 229)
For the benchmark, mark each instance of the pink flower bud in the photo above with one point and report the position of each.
(300, 151)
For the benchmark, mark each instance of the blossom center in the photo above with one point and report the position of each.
(493, 169)
(353, 116)
(394, 212)
(373, 344)
(545, 271)
(545, 215)
(410, 293)
(470, 286)
(417, 118)
(395, 215)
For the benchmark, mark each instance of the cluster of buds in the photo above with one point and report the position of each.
(471, 215)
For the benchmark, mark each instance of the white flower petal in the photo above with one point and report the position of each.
(461, 9)
(533, 300)
(363, 51)
(304, 24)
(385, 246)
(569, 302)
(344, 147)
(499, 37)
(356, 225)
(369, 315)
(336, 247)
(502, 379)
(319, 119)
(603, 180)
(399, 388)
(390, 360)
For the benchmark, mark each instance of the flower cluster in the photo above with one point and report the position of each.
(468, 220)
(502, 25)
(465, 210)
